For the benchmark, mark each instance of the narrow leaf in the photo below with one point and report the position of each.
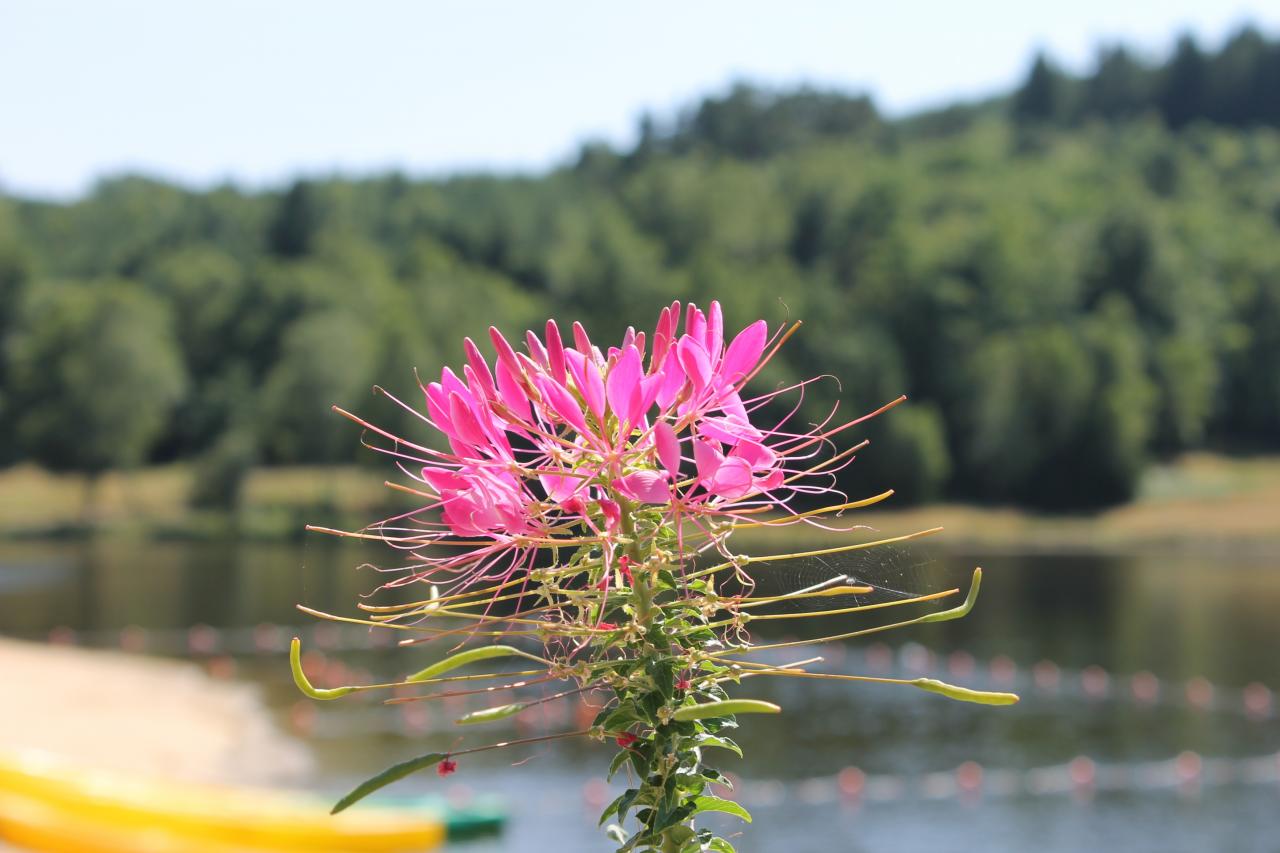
(386, 777)
(488, 715)
(469, 656)
(964, 694)
(300, 677)
(718, 804)
(725, 708)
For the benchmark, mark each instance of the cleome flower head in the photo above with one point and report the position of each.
(563, 436)
(573, 508)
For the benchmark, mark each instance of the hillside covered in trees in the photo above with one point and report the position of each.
(1068, 281)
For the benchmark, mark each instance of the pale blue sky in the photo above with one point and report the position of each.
(261, 91)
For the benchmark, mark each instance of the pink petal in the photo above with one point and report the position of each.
(623, 386)
(452, 384)
(478, 366)
(708, 458)
(555, 352)
(559, 488)
(444, 481)
(438, 407)
(649, 387)
(513, 395)
(770, 481)
(476, 390)
(505, 353)
(732, 480)
(645, 486)
(694, 360)
(695, 323)
(673, 380)
(580, 339)
(561, 404)
(755, 454)
(664, 438)
(536, 350)
(714, 338)
(465, 425)
(663, 334)
(744, 352)
(586, 376)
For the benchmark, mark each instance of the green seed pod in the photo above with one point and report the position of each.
(488, 715)
(725, 708)
(469, 656)
(300, 677)
(964, 694)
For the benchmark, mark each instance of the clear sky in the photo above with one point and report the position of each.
(262, 91)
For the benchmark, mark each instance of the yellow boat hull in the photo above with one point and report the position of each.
(48, 805)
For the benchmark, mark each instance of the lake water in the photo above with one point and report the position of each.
(1184, 756)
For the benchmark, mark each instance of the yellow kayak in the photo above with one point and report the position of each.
(47, 804)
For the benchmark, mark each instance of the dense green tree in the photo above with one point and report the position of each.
(1062, 295)
(1042, 97)
(327, 359)
(1184, 85)
(1120, 87)
(297, 220)
(94, 374)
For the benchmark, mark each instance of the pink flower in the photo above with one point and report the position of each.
(444, 768)
(558, 438)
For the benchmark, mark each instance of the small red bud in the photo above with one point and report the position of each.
(625, 739)
(444, 768)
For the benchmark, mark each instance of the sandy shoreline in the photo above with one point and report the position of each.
(140, 715)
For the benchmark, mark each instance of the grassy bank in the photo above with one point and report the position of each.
(1201, 499)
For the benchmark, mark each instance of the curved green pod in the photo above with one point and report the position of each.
(725, 708)
(469, 656)
(304, 684)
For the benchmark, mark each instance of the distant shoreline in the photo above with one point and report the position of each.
(1203, 501)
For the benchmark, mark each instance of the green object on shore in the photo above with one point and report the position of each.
(481, 817)
(484, 817)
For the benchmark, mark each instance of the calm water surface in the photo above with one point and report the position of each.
(1180, 617)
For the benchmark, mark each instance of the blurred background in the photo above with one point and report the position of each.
(1056, 229)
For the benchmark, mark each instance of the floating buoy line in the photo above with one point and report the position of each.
(1186, 772)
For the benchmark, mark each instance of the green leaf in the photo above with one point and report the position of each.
(610, 809)
(719, 845)
(719, 804)
(300, 677)
(725, 708)
(715, 777)
(469, 656)
(964, 694)
(722, 742)
(488, 715)
(386, 777)
(616, 764)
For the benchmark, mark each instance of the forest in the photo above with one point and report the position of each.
(1068, 280)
